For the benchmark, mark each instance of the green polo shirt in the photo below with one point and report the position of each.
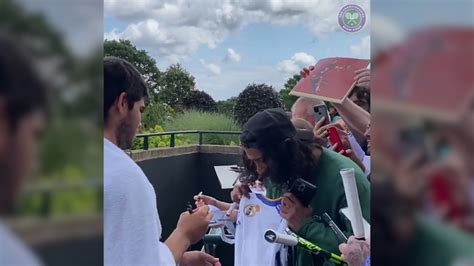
(438, 244)
(330, 198)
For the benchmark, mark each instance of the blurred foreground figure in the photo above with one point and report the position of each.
(22, 121)
(421, 138)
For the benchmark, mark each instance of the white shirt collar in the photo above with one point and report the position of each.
(111, 145)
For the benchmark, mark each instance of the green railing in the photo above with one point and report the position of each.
(48, 190)
(173, 134)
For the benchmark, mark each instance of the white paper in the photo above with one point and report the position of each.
(226, 176)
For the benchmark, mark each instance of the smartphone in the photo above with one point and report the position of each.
(303, 190)
(334, 138)
(414, 140)
(321, 111)
(411, 140)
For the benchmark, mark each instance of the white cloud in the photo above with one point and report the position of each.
(362, 49)
(234, 80)
(232, 56)
(297, 62)
(174, 30)
(182, 26)
(385, 33)
(213, 68)
(76, 21)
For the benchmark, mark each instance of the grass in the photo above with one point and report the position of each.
(197, 120)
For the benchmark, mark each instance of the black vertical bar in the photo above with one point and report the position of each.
(172, 140)
(46, 208)
(145, 143)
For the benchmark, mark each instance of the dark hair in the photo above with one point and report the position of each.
(389, 208)
(121, 76)
(286, 161)
(362, 94)
(20, 85)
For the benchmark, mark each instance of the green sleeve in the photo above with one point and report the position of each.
(321, 235)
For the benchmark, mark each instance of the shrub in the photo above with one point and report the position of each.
(156, 114)
(288, 99)
(199, 100)
(196, 120)
(227, 107)
(255, 98)
(160, 141)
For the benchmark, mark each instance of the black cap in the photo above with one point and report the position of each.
(270, 126)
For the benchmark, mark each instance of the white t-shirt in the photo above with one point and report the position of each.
(366, 162)
(132, 228)
(220, 219)
(256, 216)
(13, 252)
(356, 148)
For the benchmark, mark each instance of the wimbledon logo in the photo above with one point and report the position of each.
(351, 18)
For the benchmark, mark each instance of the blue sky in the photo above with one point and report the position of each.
(226, 46)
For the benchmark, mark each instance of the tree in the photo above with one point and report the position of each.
(156, 114)
(227, 107)
(73, 134)
(140, 59)
(199, 100)
(288, 99)
(255, 98)
(175, 84)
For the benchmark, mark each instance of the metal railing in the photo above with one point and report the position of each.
(48, 190)
(173, 135)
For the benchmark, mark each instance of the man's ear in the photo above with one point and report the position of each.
(122, 104)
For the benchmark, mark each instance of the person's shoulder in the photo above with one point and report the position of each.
(14, 252)
(117, 160)
(334, 162)
(448, 239)
(120, 171)
(330, 165)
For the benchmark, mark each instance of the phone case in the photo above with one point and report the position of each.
(334, 138)
(319, 112)
(303, 191)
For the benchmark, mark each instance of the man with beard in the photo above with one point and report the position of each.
(132, 224)
(273, 154)
(22, 121)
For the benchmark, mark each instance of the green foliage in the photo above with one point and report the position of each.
(255, 98)
(227, 107)
(169, 87)
(156, 114)
(72, 142)
(23, 25)
(199, 100)
(64, 201)
(288, 99)
(196, 120)
(140, 59)
(175, 84)
(72, 145)
(160, 141)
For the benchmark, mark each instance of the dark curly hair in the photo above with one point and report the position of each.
(286, 161)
